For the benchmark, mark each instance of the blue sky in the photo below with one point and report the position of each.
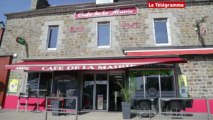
(10, 6)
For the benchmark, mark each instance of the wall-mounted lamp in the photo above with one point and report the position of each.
(15, 55)
(22, 41)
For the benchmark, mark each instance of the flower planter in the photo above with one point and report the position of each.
(126, 110)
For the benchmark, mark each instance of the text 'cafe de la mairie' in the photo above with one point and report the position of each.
(92, 48)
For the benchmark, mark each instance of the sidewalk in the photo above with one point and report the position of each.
(13, 115)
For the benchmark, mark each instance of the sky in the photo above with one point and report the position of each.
(11, 6)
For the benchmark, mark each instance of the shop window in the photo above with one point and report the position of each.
(52, 37)
(161, 32)
(103, 34)
(45, 83)
(39, 83)
(32, 83)
(153, 83)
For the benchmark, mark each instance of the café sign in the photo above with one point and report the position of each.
(75, 67)
(106, 12)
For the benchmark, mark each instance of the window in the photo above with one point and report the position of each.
(32, 83)
(161, 32)
(49, 83)
(39, 83)
(104, 34)
(52, 37)
(153, 83)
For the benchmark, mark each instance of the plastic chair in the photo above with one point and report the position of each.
(144, 108)
(176, 106)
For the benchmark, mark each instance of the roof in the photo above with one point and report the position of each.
(92, 6)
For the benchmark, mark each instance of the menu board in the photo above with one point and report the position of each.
(100, 102)
(65, 83)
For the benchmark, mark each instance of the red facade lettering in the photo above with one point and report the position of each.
(130, 25)
(77, 29)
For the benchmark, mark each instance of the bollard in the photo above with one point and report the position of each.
(46, 108)
(208, 108)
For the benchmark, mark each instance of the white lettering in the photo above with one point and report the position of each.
(72, 67)
(22, 68)
(52, 68)
(90, 68)
(101, 67)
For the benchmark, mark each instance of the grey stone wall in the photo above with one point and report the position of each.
(84, 44)
(198, 70)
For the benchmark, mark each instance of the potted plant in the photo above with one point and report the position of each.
(126, 104)
(127, 93)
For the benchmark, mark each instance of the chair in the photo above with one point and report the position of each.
(144, 108)
(22, 95)
(176, 106)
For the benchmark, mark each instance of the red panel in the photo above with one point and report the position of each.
(88, 64)
(11, 103)
(199, 105)
(170, 52)
(3, 77)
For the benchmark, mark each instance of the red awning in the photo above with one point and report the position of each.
(106, 64)
(161, 52)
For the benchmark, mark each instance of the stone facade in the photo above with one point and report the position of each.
(199, 71)
(83, 44)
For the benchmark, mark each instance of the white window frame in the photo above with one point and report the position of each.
(168, 33)
(48, 36)
(107, 46)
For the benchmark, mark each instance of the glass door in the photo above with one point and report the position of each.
(115, 85)
(95, 91)
(101, 91)
(88, 88)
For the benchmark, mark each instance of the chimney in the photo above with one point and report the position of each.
(39, 4)
(104, 1)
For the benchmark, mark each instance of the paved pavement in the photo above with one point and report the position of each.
(13, 115)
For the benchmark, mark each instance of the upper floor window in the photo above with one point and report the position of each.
(52, 37)
(161, 32)
(104, 34)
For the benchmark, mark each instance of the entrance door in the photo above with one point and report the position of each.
(88, 90)
(95, 91)
(115, 83)
(101, 91)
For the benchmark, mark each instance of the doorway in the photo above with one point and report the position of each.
(115, 85)
(95, 91)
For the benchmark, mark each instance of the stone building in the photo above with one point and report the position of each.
(86, 49)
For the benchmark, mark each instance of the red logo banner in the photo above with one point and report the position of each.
(166, 4)
(107, 12)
